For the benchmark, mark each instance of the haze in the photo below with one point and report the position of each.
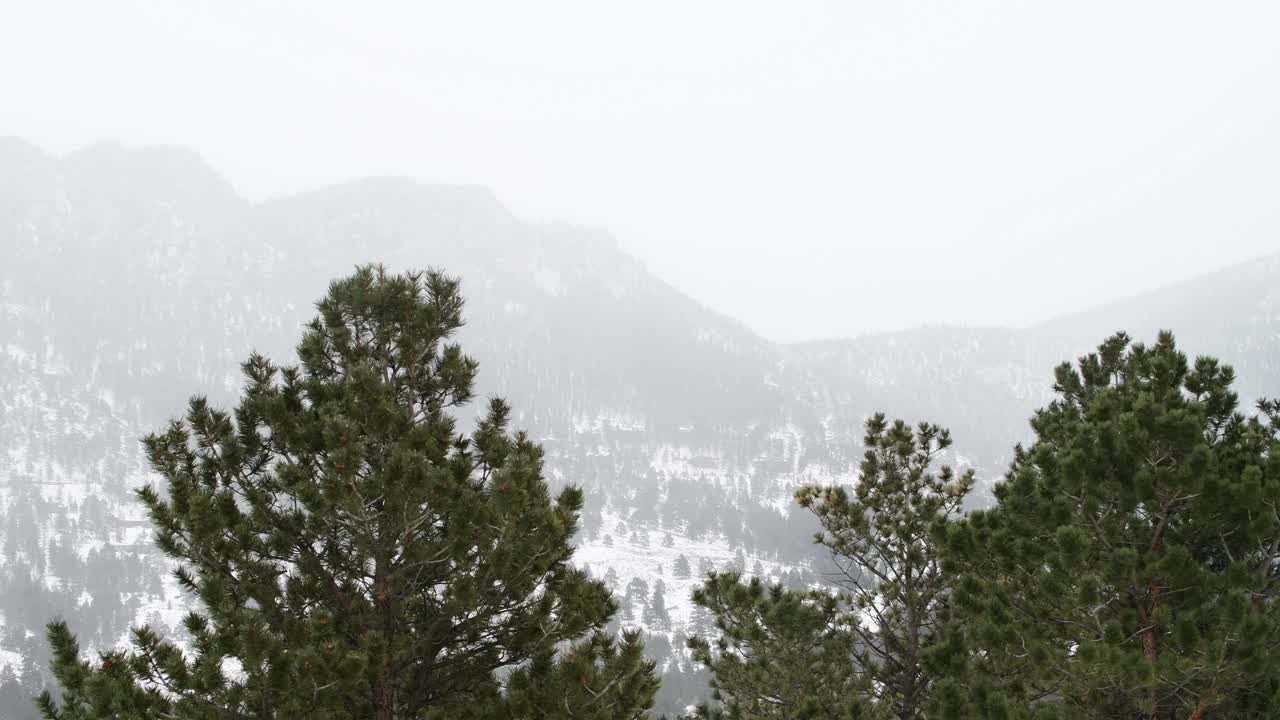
(813, 169)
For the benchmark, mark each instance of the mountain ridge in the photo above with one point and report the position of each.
(478, 197)
(688, 431)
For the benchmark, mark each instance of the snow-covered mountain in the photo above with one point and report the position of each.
(131, 279)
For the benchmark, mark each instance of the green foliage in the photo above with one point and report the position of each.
(880, 538)
(1129, 568)
(779, 654)
(598, 679)
(857, 652)
(353, 553)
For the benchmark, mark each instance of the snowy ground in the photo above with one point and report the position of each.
(656, 561)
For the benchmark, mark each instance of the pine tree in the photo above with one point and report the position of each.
(602, 679)
(681, 567)
(637, 593)
(353, 554)
(1129, 567)
(655, 615)
(858, 651)
(889, 571)
(778, 655)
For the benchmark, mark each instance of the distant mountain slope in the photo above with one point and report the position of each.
(593, 329)
(979, 382)
(1232, 313)
(131, 279)
(985, 382)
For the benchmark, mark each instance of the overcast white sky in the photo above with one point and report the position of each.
(813, 169)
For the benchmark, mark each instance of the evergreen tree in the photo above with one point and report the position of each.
(353, 553)
(637, 594)
(778, 655)
(681, 567)
(655, 615)
(862, 648)
(1129, 567)
(880, 541)
(602, 679)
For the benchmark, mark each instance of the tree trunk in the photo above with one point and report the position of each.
(1146, 607)
(388, 690)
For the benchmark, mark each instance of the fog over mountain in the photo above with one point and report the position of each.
(133, 278)
(870, 149)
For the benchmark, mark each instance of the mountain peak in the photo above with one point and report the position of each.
(402, 193)
(15, 149)
(161, 170)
